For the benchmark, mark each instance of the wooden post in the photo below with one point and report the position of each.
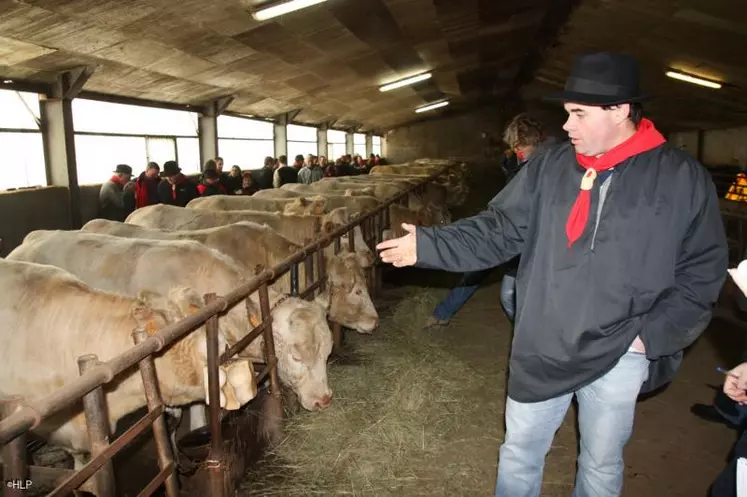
(15, 472)
(160, 432)
(97, 422)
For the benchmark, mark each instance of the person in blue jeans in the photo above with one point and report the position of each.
(525, 137)
(623, 256)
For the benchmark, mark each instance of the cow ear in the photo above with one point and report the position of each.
(253, 312)
(146, 317)
(185, 300)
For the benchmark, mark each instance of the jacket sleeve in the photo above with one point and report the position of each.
(485, 240)
(109, 195)
(683, 312)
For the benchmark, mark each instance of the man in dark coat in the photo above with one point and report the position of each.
(623, 254)
(111, 195)
(177, 189)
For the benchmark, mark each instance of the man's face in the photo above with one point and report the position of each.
(593, 130)
(219, 166)
(152, 173)
(172, 179)
(124, 178)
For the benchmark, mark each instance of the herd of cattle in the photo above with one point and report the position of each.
(71, 293)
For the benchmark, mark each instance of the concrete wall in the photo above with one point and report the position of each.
(476, 135)
(24, 211)
(720, 146)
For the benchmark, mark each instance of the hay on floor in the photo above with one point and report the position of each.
(405, 414)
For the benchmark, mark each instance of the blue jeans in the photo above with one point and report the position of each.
(606, 410)
(459, 295)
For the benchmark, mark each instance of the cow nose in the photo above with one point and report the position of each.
(324, 402)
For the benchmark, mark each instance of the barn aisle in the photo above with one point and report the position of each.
(419, 413)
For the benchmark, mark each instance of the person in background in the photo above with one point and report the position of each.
(177, 189)
(310, 172)
(111, 202)
(525, 137)
(298, 162)
(623, 255)
(735, 389)
(211, 184)
(234, 180)
(284, 174)
(146, 186)
(266, 174)
(248, 186)
(128, 198)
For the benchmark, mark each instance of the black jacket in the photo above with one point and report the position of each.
(652, 265)
(180, 195)
(263, 178)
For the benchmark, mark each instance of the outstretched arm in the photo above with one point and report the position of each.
(479, 242)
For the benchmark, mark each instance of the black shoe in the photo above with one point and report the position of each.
(709, 413)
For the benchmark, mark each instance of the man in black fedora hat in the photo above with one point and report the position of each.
(111, 198)
(623, 254)
(177, 189)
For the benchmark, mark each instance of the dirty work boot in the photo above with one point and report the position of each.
(433, 322)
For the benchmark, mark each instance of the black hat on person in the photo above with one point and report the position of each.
(170, 168)
(123, 169)
(602, 78)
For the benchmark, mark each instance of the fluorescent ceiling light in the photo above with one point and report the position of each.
(432, 106)
(693, 79)
(279, 9)
(407, 81)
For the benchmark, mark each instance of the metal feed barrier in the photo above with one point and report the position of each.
(97, 476)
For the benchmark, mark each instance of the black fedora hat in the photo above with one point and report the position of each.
(602, 78)
(123, 169)
(170, 168)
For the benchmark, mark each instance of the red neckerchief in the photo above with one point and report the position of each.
(115, 179)
(645, 138)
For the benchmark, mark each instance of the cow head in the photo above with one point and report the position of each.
(187, 357)
(302, 206)
(336, 218)
(346, 297)
(303, 342)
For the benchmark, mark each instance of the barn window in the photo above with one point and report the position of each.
(244, 142)
(21, 144)
(335, 144)
(359, 144)
(302, 140)
(107, 134)
(376, 145)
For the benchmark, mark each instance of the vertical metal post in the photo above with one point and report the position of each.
(216, 458)
(14, 454)
(309, 266)
(154, 401)
(272, 361)
(294, 280)
(351, 240)
(336, 338)
(379, 228)
(97, 422)
(321, 263)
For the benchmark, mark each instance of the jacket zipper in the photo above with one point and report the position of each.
(603, 192)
